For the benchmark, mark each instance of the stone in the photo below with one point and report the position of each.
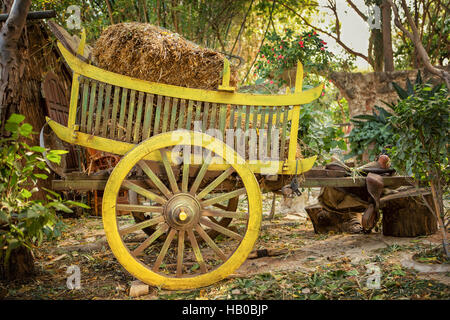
(138, 288)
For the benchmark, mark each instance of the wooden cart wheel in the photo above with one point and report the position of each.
(222, 221)
(181, 213)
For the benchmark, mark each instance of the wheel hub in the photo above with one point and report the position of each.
(182, 211)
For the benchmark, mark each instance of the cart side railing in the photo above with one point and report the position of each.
(112, 113)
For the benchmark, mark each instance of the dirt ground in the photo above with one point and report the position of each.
(311, 266)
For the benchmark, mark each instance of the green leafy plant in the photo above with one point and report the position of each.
(282, 52)
(370, 129)
(317, 134)
(376, 128)
(24, 222)
(421, 129)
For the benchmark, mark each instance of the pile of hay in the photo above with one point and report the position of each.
(146, 52)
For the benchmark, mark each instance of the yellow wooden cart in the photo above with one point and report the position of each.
(185, 179)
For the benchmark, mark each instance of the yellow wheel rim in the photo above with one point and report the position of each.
(119, 174)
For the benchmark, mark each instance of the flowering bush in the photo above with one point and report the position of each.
(284, 51)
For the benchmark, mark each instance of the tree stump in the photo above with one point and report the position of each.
(326, 221)
(19, 266)
(408, 217)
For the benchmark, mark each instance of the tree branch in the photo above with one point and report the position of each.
(336, 38)
(359, 12)
(415, 37)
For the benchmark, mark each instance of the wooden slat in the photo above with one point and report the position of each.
(90, 115)
(189, 115)
(158, 115)
(106, 111)
(222, 119)
(181, 114)
(130, 120)
(112, 133)
(84, 104)
(165, 122)
(205, 116)
(173, 114)
(137, 123)
(198, 112)
(123, 108)
(98, 113)
(147, 116)
(283, 133)
(212, 121)
(269, 131)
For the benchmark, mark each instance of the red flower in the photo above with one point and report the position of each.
(272, 49)
(322, 48)
(323, 93)
(315, 33)
(271, 81)
(281, 47)
(262, 56)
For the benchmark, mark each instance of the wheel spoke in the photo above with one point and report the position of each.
(225, 214)
(162, 229)
(215, 183)
(223, 197)
(201, 173)
(220, 229)
(156, 181)
(180, 253)
(141, 225)
(169, 171)
(143, 192)
(164, 249)
(197, 252)
(210, 242)
(186, 161)
(138, 208)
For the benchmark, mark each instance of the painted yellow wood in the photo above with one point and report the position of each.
(82, 44)
(231, 98)
(226, 73)
(98, 112)
(157, 115)
(130, 119)
(112, 132)
(198, 113)
(106, 111)
(284, 133)
(73, 101)
(173, 114)
(205, 116)
(134, 265)
(165, 122)
(148, 115)
(137, 123)
(181, 114)
(189, 115)
(222, 119)
(212, 121)
(121, 148)
(84, 106)
(123, 108)
(90, 115)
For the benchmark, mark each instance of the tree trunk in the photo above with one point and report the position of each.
(408, 217)
(387, 37)
(377, 50)
(20, 265)
(11, 68)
